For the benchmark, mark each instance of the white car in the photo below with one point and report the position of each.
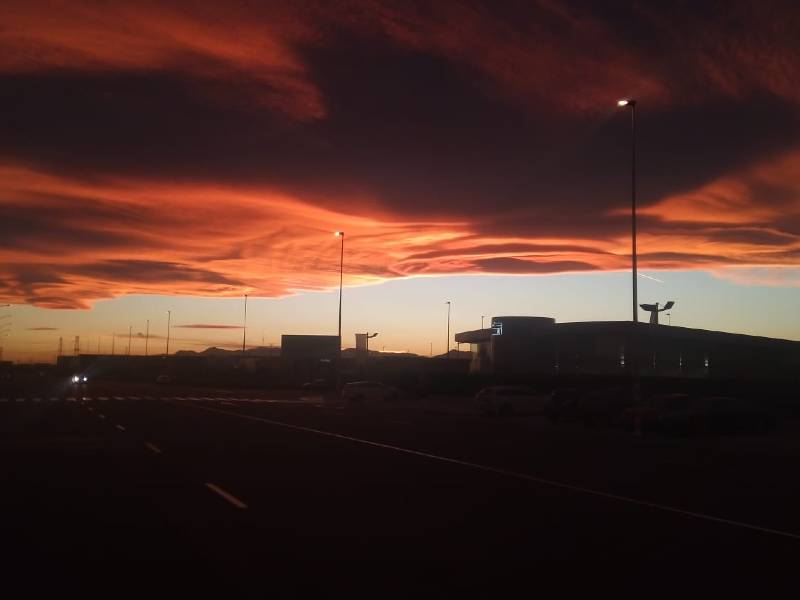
(368, 391)
(512, 399)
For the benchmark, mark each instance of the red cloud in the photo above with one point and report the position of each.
(234, 46)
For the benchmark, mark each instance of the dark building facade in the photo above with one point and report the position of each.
(540, 346)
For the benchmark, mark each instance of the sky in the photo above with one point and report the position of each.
(176, 156)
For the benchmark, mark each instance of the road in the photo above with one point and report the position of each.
(234, 483)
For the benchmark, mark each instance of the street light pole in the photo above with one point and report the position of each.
(146, 337)
(448, 328)
(169, 316)
(482, 318)
(341, 279)
(632, 104)
(130, 335)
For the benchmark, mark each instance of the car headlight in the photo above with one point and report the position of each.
(75, 379)
(85, 379)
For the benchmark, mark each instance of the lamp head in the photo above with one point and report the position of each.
(339, 233)
(626, 102)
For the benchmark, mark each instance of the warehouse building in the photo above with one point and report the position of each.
(540, 346)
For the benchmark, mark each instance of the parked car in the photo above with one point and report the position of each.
(163, 378)
(648, 414)
(510, 399)
(317, 384)
(598, 406)
(718, 414)
(560, 403)
(368, 391)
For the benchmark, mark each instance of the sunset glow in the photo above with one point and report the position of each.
(210, 150)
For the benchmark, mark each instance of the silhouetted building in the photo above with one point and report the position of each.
(310, 357)
(540, 346)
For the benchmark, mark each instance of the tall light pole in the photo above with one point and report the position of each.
(147, 337)
(340, 234)
(632, 104)
(169, 316)
(448, 328)
(130, 335)
(482, 318)
(244, 325)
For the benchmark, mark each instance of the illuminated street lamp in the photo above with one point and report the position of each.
(627, 102)
(340, 234)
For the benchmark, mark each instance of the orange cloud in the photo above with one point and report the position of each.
(84, 241)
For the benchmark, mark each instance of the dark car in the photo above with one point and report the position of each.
(599, 406)
(318, 384)
(560, 404)
(718, 414)
(648, 415)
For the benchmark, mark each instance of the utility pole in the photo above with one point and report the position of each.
(130, 334)
(146, 337)
(76, 350)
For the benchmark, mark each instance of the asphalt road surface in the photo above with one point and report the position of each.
(244, 487)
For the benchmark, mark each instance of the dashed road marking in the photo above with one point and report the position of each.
(120, 427)
(119, 398)
(37, 399)
(103, 398)
(229, 497)
(102, 416)
(134, 398)
(20, 400)
(70, 399)
(514, 475)
(3, 399)
(149, 398)
(153, 448)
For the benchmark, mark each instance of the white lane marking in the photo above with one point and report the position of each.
(70, 399)
(91, 409)
(207, 399)
(20, 400)
(194, 399)
(119, 398)
(134, 398)
(514, 474)
(149, 398)
(153, 448)
(37, 399)
(230, 498)
(102, 416)
(120, 427)
(3, 399)
(103, 398)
